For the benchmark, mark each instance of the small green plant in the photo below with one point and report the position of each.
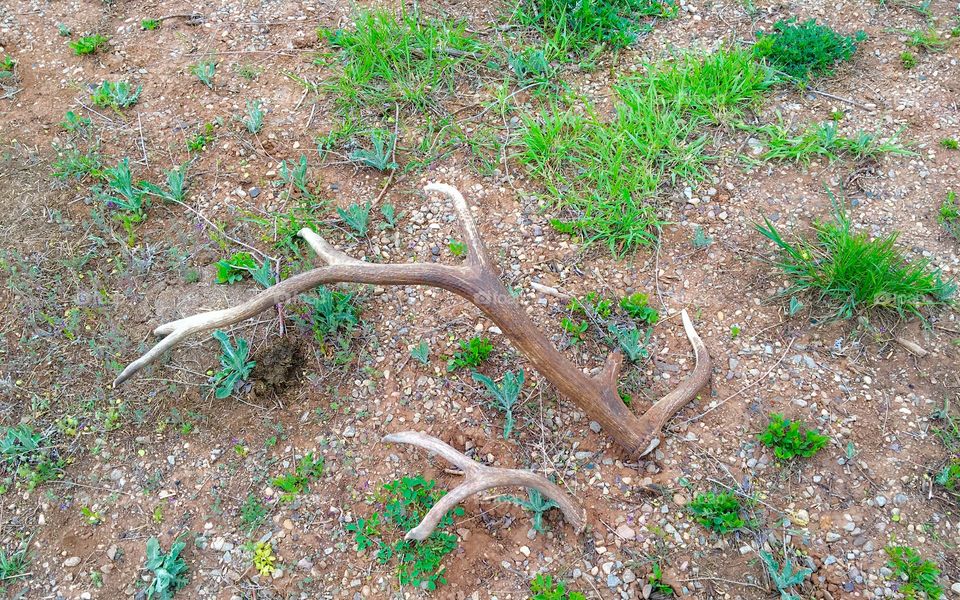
(357, 218)
(308, 469)
(504, 395)
(636, 306)
(204, 71)
(13, 565)
(949, 477)
(264, 560)
(296, 177)
(253, 514)
(592, 304)
(333, 316)
(91, 516)
(655, 579)
(853, 273)
(421, 352)
(719, 512)
(700, 238)
(128, 201)
(253, 120)
(785, 578)
(629, 340)
(575, 329)
(199, 141)
(149, 24)
(391, 60)
(535, 503)
(578, 27)
(115, 95)
(950, 144)
(157, 516)
(404, 502)
(7, 66)
(908, 59)
(949, 215)
(390, 216)
(169, 570)
(921, 577)
(74, 123)
(88, 44)
(63, 30)
(803, 51)
(542, 587)
(457, 248)
(234, 362)
(789, 439)
(927, 40)
(824, 140)
(231, 270)
(531, 67)
(472, 353)
(29, 455)
(71, 163)
(176, 185)
(379, 156)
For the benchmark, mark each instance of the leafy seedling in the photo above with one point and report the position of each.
(334, 314)
(379, 156)
(789, 439)
(88, 44)
(784, 578)
(115, 95)
(176, 185)
(421, 352)
(234, 362)
(390, 216)
(233, 269)
(504, 394)
(74, 123)
(718, 512)
(169, 570)
(535, 503)
(457, 248)
(542, 587)
(949, 215)
(149, 24)
(204, 71)
(253, 120)
(264, 561)
(629, 340)
(921, 576)
(357, 218)
(636, 305)
(472, 353)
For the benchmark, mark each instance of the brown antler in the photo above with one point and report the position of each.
(479, 477)
(477, 281)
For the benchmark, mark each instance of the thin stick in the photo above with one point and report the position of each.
(848, 101)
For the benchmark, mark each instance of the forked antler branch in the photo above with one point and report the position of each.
(478, 282)
(479, 477)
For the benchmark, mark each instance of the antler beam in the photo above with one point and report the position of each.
(478, 282)
(478, 478)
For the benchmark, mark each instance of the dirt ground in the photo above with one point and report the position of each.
(161, 456)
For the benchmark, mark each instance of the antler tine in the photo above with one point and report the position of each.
(477, 252)
(479, 477)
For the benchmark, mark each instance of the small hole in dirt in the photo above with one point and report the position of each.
(277, 368)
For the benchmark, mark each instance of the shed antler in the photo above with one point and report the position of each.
(478, 282)
(479, 477)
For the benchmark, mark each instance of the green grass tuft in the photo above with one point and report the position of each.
(88, 44)
(604, 172)
(407, 60)
(851, 273)
(789, 439)
(949, 215)
(824, 140)
(803, 51)
(574, 26)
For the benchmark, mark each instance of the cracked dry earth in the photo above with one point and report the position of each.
(162, 457)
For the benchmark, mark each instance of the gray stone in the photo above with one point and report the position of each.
(72, 561)
(594, 427)
(612, 581)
